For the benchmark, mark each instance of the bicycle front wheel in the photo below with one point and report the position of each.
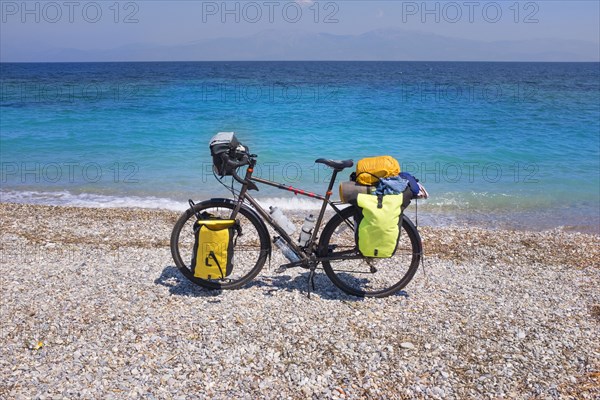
(250, 250)
(364, 276)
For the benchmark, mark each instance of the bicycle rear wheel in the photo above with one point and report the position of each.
(364, 276)
(250, 251)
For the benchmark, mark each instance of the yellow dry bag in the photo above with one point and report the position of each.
(369, 170)
(213, 248)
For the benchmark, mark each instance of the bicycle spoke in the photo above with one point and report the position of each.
(364, 276)
(249, 250)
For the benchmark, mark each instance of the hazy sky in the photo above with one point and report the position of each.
(37, 26)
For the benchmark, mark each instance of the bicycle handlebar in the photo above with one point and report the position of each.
(234, 165)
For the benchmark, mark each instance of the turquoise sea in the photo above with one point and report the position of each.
(496, 144)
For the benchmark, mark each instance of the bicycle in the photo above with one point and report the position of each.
(335, 248)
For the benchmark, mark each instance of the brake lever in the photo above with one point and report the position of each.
(235, 166)
(251, 185)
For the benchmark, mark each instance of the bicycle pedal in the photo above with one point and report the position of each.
(281, 269)
(284, 267)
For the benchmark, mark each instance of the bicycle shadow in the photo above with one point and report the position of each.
(179, 285)
(324, 289)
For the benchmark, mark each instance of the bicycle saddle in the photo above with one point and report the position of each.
(337, 165)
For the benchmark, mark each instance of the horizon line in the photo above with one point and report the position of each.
(241, 61)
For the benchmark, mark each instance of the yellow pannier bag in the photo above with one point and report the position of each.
(378, 229)
(213, 248)
(369, 170)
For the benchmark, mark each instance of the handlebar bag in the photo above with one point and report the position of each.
(369, 170)
(223, 142)
(213, 248)
(378, 224)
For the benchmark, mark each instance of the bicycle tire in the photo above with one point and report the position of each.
(250, 249)
(387, 278)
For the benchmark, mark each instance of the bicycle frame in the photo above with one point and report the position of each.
(304, 255)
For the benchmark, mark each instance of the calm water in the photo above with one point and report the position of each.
(497, 144)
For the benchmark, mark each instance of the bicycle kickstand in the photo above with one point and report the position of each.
(311, 280)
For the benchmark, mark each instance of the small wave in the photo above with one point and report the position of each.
(485, 201)
(64, 198)
(446, 212)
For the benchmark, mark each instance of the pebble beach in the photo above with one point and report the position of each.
(93, 307)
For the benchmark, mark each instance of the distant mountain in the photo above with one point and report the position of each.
(377, 45)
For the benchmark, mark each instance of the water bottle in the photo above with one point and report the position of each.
(306, 232)
(282, 220)
(285, 249)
